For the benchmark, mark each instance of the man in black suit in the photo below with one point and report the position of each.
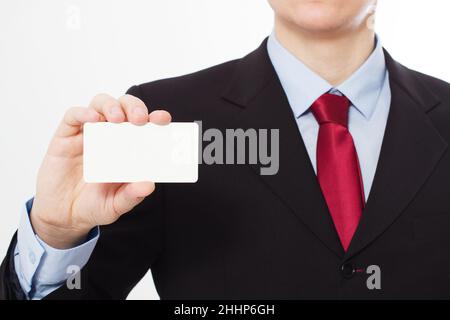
(359, 207)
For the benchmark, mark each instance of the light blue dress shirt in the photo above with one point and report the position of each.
(42, 269)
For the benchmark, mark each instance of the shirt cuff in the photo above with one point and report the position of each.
(40, 264)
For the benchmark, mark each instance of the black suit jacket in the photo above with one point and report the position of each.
(237, 234)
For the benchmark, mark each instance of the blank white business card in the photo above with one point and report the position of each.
(125, 152)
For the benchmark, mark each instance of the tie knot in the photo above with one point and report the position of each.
(331, 108)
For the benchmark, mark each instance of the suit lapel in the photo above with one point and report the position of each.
(256, 88)
(411, 149)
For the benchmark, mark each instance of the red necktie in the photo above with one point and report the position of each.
(337, 165)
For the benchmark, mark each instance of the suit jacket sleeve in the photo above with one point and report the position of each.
(9, 283)
(124, 253)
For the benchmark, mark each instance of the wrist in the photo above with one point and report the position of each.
(56, 236)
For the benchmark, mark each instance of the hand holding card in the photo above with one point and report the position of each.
(126, 149)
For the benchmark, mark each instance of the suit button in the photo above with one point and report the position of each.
(347, 270)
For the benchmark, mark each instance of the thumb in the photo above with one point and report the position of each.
(131, 194)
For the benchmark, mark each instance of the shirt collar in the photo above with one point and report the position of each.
(303, 86)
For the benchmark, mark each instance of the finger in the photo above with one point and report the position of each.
(135, 109)
(131, 194)
(73, 120)
(160, 117)
(109, 107)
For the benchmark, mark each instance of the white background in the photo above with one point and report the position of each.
(57, 53)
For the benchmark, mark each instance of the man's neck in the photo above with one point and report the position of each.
(334, 57)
